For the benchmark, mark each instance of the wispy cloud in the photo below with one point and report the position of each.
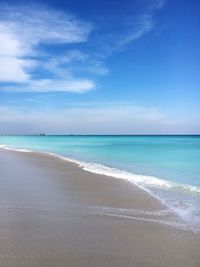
(31, 38)
(85, 117)
(59, 85)
(101, 118)
(23, 34)
(144, 23)
(136, 27)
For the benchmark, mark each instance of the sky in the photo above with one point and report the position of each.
(100, 67)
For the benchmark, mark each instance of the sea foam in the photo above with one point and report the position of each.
(150, 184)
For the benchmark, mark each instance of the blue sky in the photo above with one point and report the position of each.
(100, 67)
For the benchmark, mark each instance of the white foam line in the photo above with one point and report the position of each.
(139, 180)
(181, 226)
(15, 149)
(138, 214)
(129, 211)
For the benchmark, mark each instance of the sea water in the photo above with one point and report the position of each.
(168, 167)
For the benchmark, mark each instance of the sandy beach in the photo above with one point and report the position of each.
(52, 213)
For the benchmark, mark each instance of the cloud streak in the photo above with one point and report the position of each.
(104, 117)
(136, 27)
(48, 85)
(101, 118)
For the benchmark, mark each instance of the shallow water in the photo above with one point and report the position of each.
(166, 166)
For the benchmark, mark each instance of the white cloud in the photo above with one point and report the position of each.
(23, 30)
(76, 86)
(37, 25)
(10, 45)
(16, 70)
(145, 22)
(143, 25)
(136, 27)
(13, 70)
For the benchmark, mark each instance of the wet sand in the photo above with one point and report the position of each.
(52, 213)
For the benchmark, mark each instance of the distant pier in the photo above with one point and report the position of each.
(34, 134)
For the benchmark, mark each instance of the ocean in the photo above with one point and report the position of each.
(168, 167)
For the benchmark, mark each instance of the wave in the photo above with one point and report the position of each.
(163, 190)
(137, 179)
(15, 149)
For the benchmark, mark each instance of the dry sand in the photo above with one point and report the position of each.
(54, 214)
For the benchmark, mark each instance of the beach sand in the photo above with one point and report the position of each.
(52, 213)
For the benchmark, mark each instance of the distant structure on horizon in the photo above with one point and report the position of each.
(33, 134)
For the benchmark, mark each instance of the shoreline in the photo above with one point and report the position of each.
(60, 215)
(134, 179)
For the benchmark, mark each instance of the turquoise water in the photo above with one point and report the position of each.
(167, 166)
